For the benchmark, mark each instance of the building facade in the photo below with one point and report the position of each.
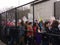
(44, 9)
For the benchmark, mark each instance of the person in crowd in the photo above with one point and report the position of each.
(41, 24)
(2, 30)
(35, 28)
(21, 33)
(55, 30)
(29, 34)
(38, 36)
(13, 35)
(47, 26)
(7, 34)
(34, 31)
(36, 21)
(26, 23)
(45, 37)
(59, 26)
(3, 33)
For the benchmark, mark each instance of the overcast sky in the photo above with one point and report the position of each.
(4, 4)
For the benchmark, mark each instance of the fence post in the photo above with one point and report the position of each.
(33, 12)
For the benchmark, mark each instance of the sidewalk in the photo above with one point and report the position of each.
(1, 43)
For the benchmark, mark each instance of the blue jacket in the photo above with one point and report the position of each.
(21, 30)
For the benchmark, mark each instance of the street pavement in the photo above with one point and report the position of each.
(1, 43)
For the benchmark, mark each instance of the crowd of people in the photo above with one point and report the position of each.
(28, 33)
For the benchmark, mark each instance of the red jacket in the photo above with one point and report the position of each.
(30, 30)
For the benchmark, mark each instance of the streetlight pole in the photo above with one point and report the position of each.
(6, 16)
(16, 18)
(33, 12)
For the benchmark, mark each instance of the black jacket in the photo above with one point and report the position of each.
(55, 38)
(55, 30)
